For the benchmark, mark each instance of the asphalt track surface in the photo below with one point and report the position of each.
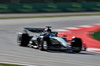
(12, 53)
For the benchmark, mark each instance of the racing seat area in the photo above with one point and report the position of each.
(47, 35)
(54, 34)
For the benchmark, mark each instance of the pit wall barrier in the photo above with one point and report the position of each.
(49, 7)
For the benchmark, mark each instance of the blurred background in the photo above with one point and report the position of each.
(41, 6)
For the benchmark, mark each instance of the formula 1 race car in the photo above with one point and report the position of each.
(48, 40)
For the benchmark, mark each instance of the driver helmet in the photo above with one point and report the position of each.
(47, 30)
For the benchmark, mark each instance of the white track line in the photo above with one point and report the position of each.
(60, 30)
(93, 50)
(85, 26)
(75, 28)
(89, 49)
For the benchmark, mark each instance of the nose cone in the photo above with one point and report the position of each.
(63, 42)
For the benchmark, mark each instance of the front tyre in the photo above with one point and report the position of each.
(76, 49)
(76, 45)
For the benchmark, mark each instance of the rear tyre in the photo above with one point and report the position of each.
(43, 46)
(23, 39)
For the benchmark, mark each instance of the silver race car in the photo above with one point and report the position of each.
(48, 40)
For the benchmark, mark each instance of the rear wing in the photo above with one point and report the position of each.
(35, 30)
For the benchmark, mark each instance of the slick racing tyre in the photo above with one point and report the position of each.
(23, 39)
(76, 45)
(76, 49)
(43, 46)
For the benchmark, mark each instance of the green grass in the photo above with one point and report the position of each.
(96, 35)
(4, 64)
(50, 16)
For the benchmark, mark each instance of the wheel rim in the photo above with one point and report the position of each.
(45, 46)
